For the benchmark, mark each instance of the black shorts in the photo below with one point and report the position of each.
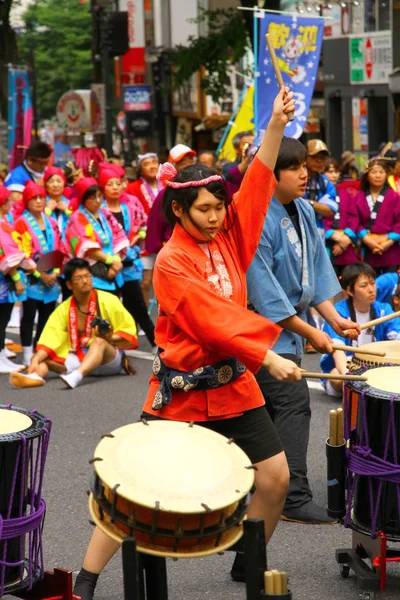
(253, 432)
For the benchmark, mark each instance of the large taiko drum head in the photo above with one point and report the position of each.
(377, 403)
(390, 347)
(178, 488)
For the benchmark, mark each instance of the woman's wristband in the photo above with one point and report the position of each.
(37, 274)
(116, 258)
(16, 277)
(109, 260)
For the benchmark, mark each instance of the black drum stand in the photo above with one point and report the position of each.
(145, 576)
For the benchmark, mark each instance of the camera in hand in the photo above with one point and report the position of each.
(103, 325)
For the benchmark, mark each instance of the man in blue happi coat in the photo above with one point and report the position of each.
(290, 273)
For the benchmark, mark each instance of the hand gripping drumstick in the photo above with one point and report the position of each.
(277, 70)
(353, 350)
(376, 322)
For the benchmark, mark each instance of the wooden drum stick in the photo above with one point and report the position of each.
(340, 426)
(353, 350)
(376, 321)
(310, 375)
(277, 70)
(333, 423)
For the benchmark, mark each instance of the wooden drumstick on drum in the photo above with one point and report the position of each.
(277, 70)
(376, 322)
(358, 350)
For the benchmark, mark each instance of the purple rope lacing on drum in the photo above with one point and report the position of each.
(31, 523)
(361, 461)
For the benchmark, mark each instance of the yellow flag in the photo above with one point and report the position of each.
(244, 121)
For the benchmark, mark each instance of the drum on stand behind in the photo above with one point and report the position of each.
(367, 361)
(378, 416)
(179, 489)
(392, 357)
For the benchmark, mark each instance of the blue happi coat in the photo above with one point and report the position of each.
(287, 275)
(386, 286)
(389, 330)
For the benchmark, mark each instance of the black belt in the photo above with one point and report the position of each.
(204, 378)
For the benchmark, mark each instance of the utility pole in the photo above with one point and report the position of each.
(105, 53)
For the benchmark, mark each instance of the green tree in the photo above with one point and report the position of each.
(58, 37)
(230, 35)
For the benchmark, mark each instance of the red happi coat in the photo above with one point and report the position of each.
(203, 316)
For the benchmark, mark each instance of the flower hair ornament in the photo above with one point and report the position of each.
(167, 172)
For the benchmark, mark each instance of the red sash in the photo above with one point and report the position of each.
(77, 344)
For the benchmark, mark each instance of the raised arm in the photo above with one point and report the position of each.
(250, 204)
(284, 104)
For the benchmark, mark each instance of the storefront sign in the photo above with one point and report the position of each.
(371, 58)
(137, 98)
(139, 124)
(71, 111)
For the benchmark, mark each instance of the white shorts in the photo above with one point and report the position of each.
(148, 261)
(72, 363)
(329, 389)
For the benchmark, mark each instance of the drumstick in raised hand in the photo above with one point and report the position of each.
(375, 322)
(277, 70)
(353, 350)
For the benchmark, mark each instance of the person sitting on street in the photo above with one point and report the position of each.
(86, 334)
(361, 306)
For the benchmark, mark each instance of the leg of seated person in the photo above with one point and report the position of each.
(336, 384)
(100, 353)
(50, 365)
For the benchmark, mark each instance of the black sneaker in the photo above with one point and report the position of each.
(238, 572)
(309, 513)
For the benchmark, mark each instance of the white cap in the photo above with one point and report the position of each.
(180, 151)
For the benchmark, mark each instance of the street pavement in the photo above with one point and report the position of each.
(98, 406)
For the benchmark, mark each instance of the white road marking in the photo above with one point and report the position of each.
(140, 354)
(315, 385)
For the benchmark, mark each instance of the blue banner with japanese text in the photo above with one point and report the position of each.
(297, 42)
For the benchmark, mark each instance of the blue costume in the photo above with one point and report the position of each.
(17, 178)
(386, 286)
(325, 193)
(389, 330)
(287, 275)
(290, 272)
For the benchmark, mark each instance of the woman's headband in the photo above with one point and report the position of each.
(166, 172)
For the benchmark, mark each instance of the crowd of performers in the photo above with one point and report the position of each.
(251, 256)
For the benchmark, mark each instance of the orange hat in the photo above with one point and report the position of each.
(82, 186)
(50, 171)
(4, 195)
(180, 151)
(32, 190)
